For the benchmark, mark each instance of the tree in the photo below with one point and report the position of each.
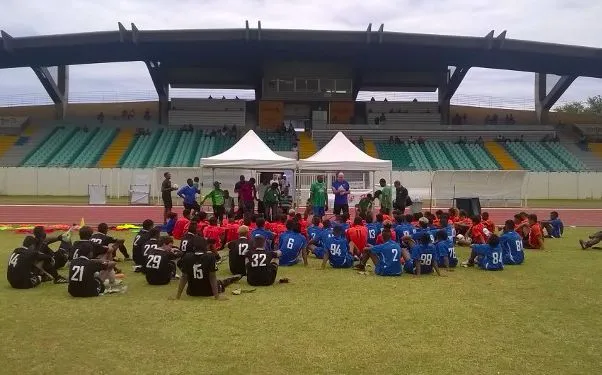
(592, 105)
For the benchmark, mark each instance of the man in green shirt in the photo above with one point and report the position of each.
(217, 201)
(318, 197)
(386, 197)
(365, 205)
(271, 198)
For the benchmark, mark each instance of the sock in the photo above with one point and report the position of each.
(124, 251)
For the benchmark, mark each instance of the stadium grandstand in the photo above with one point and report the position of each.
(306, 85)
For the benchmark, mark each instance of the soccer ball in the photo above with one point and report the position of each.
(175, 186)
(460, 237)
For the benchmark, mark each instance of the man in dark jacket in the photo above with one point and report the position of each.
(402, 200)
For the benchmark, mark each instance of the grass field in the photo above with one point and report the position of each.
(543, 317)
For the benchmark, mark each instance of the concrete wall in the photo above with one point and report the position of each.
(74, 182)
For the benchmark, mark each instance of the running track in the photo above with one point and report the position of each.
(115, 215)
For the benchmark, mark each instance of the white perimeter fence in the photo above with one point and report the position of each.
(119, 182)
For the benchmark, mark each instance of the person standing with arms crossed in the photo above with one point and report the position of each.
(318, 197)
(166, 189)
(340, 188)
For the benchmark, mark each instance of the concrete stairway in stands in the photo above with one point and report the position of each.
(116, 149)
(307, 146)
(370, 148)
(503, 158)
(24, 146)
(592, 159)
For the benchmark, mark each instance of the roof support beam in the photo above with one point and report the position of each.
(7, 41)
(162, 87)
(544, 100)
(58, 89)
(454, 82)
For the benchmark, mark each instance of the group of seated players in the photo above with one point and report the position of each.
(417, 244)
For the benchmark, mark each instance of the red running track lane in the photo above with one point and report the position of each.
(114, 215)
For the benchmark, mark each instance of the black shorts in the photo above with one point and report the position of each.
(219, 210)
(268, 278)
(340, 207)
(206, 291)
(192, 206)
(98, 290)
(167, 203)
(158, 279)
(26, 283)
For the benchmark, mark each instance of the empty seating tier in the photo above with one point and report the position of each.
(51, 146)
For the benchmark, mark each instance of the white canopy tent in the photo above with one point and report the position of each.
(341, 154)
(250, 152)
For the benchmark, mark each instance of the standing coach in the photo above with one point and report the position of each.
(340, 188)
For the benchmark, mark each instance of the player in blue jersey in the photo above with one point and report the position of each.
(314, 230)
(554, 226)
(446, 254)
(386, 257)
(422, 257)
(292, 244)
(403, 227)
(261, 231)
(487, 256)
(374, 228)
(337, 251)
(511, 244)
(423, 227)
(448, 226)
(315, 246)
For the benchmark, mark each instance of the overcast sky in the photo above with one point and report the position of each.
(558, 21)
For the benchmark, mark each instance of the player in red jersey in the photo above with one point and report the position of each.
(214, 233)
(487, 223)
(535, 237)
(179, 229)
(231, 226)
(357, 236)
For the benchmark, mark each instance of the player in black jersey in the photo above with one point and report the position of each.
(191, 239)
(139, 241)
(262, 264)
(25, 265)
(102, 240)
(199, 272)
(238, 250)
(83, 245)
(41, 245)
(61, 256)
(151, 241)
(160, 267)
(87, 275)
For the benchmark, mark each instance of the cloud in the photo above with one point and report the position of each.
(558, 21)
